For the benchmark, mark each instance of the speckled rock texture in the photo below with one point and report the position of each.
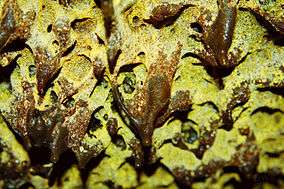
(141, 94)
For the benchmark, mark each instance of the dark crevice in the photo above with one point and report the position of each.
(49, 28)
(141, 54)
(190, 54)
(244, 182)
(99, 3)
(279, 41)
(128, 68)
(119, 141)
(26, 186)
(16, 45)
(274, 35)
(112, 62)
(111, 185)
(101, 41)
(6, 72)
(69, 49)
(75, 22)
(39, 155)
(244, 58)
(267, 110)
(181, 115)
(66, 160)
(17, 135)
(210, 103)
(272, 177)
(68, 102)
(217, 73)
(65, 3)
(148, 168)
(274, 90)
(274, 155)
(32, 70)
(101, 82)
(93, 163)
(196, 27)
(94, 123)
(243, 110)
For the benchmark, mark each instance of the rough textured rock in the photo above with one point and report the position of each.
(141, 94)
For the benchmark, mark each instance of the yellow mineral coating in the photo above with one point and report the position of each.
(159, 179)
(71, 179)
(14, 149)
(40, 182)
(267, 163)
(168, 131)
(5, 96)
(174, 157)
(218, 152)
(113, 169)
(140, 43)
